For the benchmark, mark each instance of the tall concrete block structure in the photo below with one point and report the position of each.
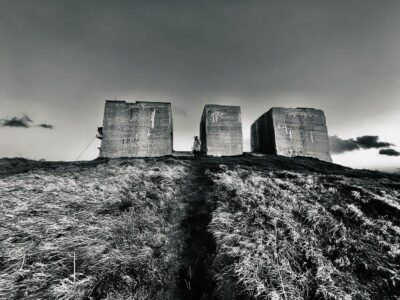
(139, 129)
(221, 131)
(291, 132)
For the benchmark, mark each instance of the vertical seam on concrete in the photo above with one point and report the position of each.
(153, 117)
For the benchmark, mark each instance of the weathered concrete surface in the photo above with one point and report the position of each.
(140, 129)
(291, 132)
(221, 130)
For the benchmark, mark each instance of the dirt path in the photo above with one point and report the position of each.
(195, 279)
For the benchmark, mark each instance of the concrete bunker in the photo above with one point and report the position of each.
(221, 130)
(138, 129)
(291, 132)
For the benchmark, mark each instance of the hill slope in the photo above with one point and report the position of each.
(224, 228)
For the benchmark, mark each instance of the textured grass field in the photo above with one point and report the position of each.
(107, 231)
(287, 235)
(170, 228)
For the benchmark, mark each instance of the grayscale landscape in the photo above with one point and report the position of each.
(199, 150)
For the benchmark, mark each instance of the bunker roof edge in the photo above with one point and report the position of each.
(137, 102)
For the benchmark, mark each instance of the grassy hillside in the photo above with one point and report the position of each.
(218, 228)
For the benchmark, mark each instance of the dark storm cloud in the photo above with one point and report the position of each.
(389, 152)
(371, 141)
(23, 121)
(339, 145)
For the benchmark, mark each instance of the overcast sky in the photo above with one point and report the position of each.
(60, 60)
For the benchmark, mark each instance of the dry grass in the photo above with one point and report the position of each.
(136, 229)
(106, 231)
(287, 235)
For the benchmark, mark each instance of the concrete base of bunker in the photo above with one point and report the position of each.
(195, 280)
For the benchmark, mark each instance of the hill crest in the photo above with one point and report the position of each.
(215, 228)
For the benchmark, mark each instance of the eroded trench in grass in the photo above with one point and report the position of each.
(195, 279)
(192, 244)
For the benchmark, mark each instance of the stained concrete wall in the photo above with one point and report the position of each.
(221, 130)
(140, 129)
(291, 132)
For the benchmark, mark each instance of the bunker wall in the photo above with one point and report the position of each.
(141, 129)
(221, 130)
(292, 132)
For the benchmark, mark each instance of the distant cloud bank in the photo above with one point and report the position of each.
(371, 141)
(389, 152)
(22, 122)
(339, 145)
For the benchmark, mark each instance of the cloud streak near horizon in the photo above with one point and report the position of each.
(389, 152)
(22, 122)
(47, 126)
(339, 145)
